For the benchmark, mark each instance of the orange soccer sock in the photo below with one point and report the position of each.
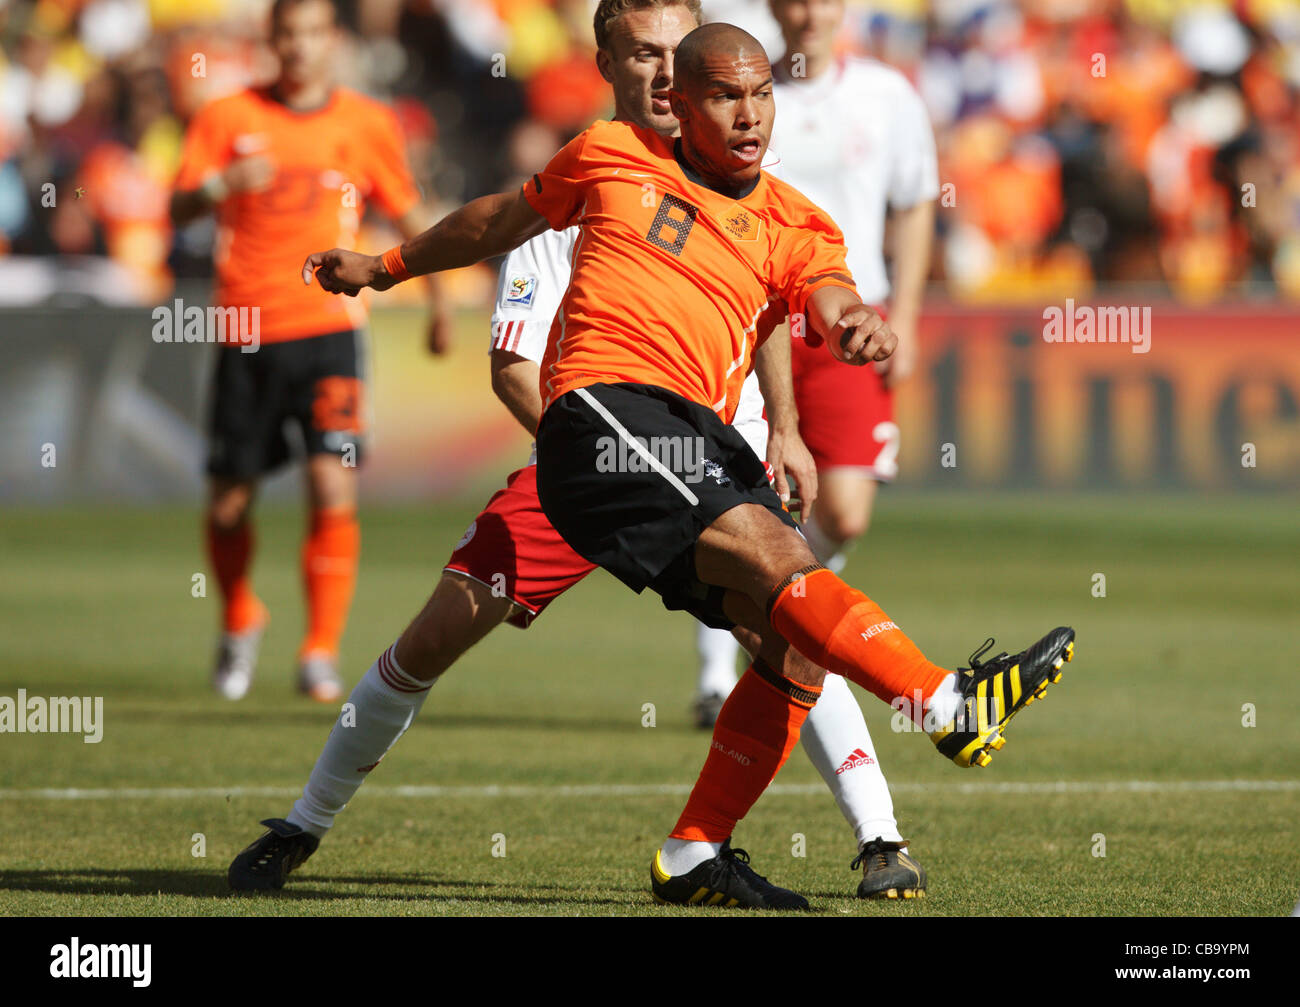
(230, 551)
(329, 572)
(839, 628)
(754, 734)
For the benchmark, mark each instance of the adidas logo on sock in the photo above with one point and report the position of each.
(856, 758)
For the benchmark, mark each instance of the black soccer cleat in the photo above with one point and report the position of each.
(996, 690)
(888, 872)
(264, 864)
(727, 880)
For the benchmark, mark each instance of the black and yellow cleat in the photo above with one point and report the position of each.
(995, 691)
(727, 880)
(888, 872)
(263, 864)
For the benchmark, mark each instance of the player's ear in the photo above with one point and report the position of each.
(605, 64)
(678, 105)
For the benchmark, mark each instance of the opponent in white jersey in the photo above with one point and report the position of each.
(854, 138)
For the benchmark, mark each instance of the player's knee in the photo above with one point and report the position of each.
(844, 524)
(229, 509)
(802, 671)
(460, 613)
(331, 484)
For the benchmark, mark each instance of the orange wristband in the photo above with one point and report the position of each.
(394, 265)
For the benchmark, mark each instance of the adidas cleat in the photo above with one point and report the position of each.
(888, 872)
(264, 864)
(996, 690)
(727, 880)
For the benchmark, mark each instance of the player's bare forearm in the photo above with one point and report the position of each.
(438, 335)
(515, 380)
(482, 228)
(786, 451)
(854, 332)
(913, 236)
(913, 231)
(772, 365)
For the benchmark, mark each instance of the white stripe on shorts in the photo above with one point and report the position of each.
(636, 446)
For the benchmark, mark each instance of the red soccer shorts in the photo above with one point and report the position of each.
(846, 414)
(512, 548)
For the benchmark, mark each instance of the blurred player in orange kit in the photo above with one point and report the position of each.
(288, 168)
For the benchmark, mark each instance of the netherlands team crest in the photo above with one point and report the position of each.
(741, 224)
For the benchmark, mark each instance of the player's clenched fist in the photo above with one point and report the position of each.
(861, 336)
(342, 272)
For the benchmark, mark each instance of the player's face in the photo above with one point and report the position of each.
(304, 38)
(809, 26)
(639, 63)
(726, 116)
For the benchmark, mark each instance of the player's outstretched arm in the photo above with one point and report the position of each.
(786, 451)
(482, 228)
(854, 332)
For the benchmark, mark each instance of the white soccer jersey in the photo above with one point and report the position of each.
(531, 285)
(857, 140)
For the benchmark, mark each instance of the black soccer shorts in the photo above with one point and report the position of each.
(315, 384)
(630, 475)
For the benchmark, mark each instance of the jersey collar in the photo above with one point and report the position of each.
(698, 179)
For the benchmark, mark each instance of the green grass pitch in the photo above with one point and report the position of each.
(1142, 743)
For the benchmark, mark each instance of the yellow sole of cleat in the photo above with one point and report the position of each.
(982, 759)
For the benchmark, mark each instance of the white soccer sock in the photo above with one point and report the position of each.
(945, 701)
(830, 552)
(377, 713)
(836, 739)
(717, 649)
(681, 856)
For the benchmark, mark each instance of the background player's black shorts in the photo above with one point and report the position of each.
(315, 384)
(638, 522)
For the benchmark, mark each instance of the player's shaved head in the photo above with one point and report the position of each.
(713, 46)
(722, 95)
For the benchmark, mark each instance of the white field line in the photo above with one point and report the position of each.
(648, 790)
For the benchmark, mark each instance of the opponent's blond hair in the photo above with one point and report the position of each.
(609, 11)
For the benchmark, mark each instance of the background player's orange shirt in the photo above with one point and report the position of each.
(670, 279)
(328, 163)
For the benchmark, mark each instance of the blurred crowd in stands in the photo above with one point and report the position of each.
(1082, 142)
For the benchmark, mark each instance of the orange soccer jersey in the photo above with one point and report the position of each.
(670, 278)
(327, 163)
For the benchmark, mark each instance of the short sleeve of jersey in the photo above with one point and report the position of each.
(206, 148)
(556, 192)
(914, 174)
(392, 189)
(807, 258)
(530, 286)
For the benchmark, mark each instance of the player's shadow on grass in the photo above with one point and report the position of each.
(212, 884)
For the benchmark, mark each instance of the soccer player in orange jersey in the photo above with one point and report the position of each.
(684, 246)
(285, 165)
